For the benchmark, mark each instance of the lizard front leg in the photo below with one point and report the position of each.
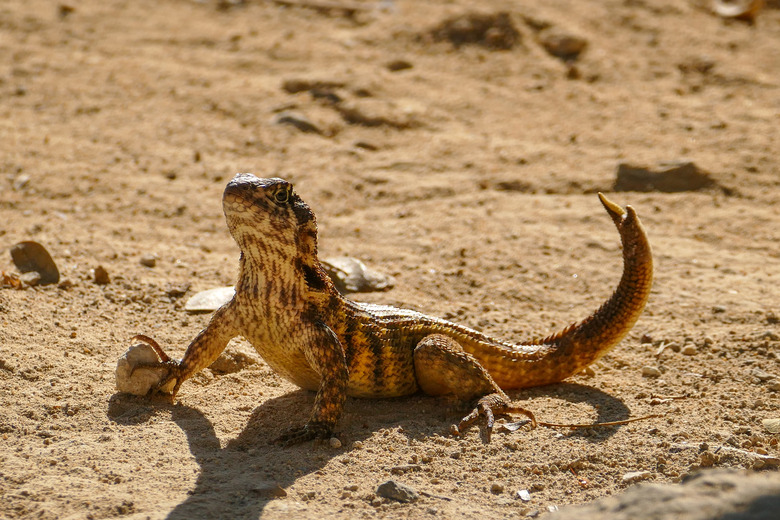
(325, 355)
(442, 367)
(202, 351)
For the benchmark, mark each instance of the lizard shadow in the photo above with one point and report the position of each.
(240, 478)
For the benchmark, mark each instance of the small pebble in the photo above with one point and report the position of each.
(761, 375)
(524, 495)
(771, 425)
(101, 275)
(21, 182)
(496, 488)
(635, 476)
(650, 372)
(396, 65)
(562, 45)
(774, 385)
(718, 309)
(689, 350)
(148, 260)
(30, 279)
(334, 442)
(177, 290)
(707, 459)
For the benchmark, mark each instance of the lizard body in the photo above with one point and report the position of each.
(290, 311)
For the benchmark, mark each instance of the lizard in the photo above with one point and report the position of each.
(288, 308)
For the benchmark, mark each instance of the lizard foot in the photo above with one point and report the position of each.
(309, 431)
(487, 408)
(172, 366)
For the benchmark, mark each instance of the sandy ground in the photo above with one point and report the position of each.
(465, 171)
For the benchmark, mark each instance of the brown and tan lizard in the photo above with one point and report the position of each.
(289, 310)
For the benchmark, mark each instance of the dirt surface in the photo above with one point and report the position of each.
(462, 158)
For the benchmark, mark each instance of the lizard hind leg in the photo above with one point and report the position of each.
(443, 368)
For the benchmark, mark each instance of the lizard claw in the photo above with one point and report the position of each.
(487, 408)
(309, 431)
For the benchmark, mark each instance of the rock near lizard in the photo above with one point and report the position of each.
(288, 308)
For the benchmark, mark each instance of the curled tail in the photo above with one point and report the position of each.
(567, 352)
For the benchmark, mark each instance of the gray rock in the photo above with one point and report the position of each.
(351, 275)
(397, 491)
(735, 495)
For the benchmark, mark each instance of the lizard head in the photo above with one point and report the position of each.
(266, 217)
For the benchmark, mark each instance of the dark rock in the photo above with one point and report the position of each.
(101, 275)
(148, 260)
(669, 178)
(65, 10)
(177, 290)
(562, 45)
(298, 121)
(32, 256)
(397, 491)
(494, 30)
(396, 65)
(696, 64)
(296, 85)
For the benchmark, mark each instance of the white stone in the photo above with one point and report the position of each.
(143, 379)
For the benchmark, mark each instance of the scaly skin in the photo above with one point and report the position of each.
(289, 310)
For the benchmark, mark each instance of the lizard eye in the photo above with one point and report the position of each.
(282, 195)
